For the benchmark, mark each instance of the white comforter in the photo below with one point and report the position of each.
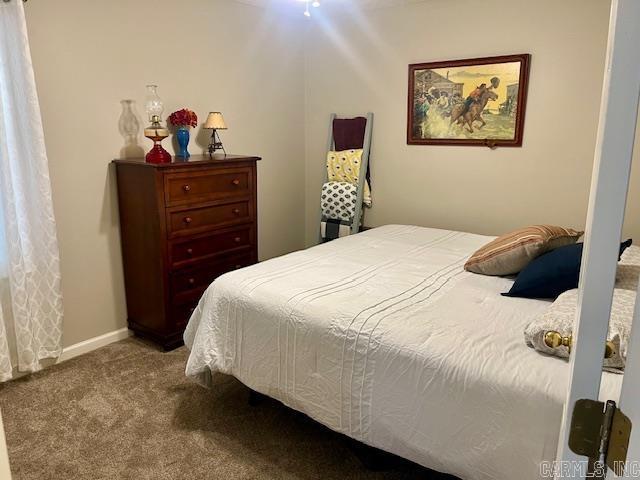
(384, 337)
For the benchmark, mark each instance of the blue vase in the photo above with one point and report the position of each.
(182, 135)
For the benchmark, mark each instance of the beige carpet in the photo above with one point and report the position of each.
(126, 411)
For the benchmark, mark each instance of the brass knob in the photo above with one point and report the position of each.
(237, 239)
(189, 251)
(187, 220)
(236, 181)
(553, 339)
(236, 211)
(609, 349)
(191, 281)
(186, 188)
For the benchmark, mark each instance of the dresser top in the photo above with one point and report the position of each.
(195, 160)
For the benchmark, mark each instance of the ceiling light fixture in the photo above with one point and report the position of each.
(313, 3)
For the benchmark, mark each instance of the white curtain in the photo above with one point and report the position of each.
(31, 313)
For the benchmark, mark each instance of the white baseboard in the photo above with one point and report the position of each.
(80, 348)
(94, 343)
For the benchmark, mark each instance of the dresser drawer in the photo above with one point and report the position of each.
(188, 280)
(188, 285)
(198, 219)
(180, 314)
(203, 247)
(207, 185)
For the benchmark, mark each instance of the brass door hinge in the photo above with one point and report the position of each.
(600, 431)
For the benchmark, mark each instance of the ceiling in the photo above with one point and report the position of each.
(333, 4)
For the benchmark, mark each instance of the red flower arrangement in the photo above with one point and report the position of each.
(184, 118)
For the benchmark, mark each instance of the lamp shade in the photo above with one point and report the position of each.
(215, 120)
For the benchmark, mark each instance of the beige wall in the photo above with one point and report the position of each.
(359, 63)
(204, 54)
(250, 64)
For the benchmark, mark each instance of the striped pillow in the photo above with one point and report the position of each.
(510, 253)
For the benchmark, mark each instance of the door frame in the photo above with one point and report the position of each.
(607, 202)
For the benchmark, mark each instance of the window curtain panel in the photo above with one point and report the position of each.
(30, 290)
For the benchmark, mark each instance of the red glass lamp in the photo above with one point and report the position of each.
(155, 131)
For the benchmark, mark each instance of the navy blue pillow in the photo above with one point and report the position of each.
(552, 273)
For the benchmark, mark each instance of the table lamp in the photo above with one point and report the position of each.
(215, 122)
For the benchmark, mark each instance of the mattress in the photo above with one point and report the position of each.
(384, 337)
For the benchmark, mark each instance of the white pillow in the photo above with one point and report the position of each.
(629, 269)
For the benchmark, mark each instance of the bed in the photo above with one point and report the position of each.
(384, 337)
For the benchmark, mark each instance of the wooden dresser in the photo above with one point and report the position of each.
(182, 225)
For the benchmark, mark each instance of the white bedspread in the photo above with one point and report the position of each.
(384, 337)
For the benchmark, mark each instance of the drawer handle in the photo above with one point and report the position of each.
(236, 182)
(238, 266)
(191, 281)
(187, 220)
(237, 239)
(186, 188)
(236, 211)
(189, 251)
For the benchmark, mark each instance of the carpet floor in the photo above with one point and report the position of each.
(126, 411)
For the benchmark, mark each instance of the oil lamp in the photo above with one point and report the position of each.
(155, 132)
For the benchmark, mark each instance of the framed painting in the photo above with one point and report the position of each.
(480, 101)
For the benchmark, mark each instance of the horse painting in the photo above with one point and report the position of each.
(477, 101)
(474, 113)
